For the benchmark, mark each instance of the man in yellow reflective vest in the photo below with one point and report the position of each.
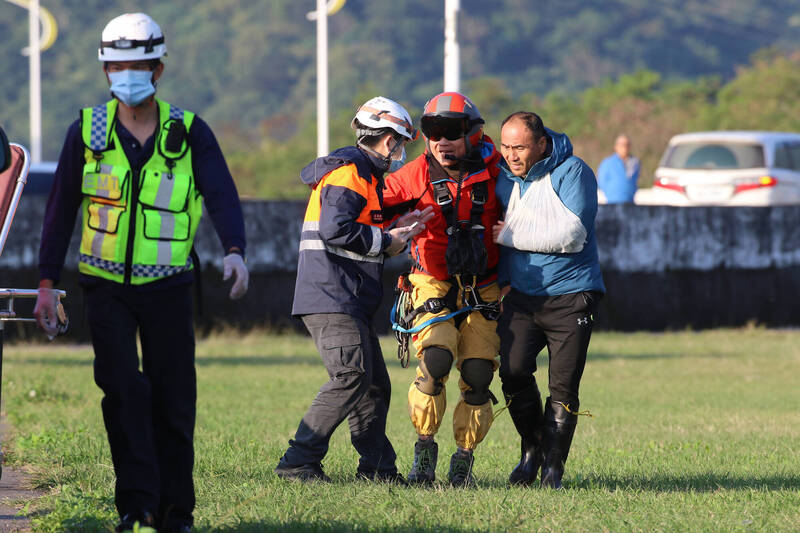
(139, 170)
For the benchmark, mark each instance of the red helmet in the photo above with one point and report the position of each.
(452, 105)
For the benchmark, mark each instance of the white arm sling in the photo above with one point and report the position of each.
(540, 222)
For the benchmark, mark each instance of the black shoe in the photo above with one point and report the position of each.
(423, 471)
(558, 431)
(525, 408)
(142, 522)
(393, 478)
(460, 474)
(310, 472)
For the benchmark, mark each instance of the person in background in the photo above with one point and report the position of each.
(618, 173)
(550, 282)
(139, 170)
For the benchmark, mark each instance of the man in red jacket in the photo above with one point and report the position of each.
(454, 279)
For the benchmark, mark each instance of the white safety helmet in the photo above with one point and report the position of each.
(379, 113)
(131, 37)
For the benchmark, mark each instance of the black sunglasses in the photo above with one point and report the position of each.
(451, 129)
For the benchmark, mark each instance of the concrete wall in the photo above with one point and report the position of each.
(664, 267)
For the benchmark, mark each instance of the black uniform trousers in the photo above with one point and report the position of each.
(358, 389)
(149, 414)
(563, 324)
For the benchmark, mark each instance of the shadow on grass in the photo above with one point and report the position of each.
(246, 360)
(317, 527)
(85, 524)
(707, 482)
(605, 356)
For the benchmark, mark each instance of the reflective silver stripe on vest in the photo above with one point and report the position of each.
(317, 244)
(164, 193)
(98, 137)
(167, 230)
(102, 226)
(164, 254)
(103, 193)
(141, 271)
(311, 225)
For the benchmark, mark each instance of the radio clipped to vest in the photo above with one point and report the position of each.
(466, 252)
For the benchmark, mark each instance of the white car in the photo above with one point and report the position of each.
(727, 168)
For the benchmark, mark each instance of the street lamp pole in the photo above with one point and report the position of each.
(38, 42)
(452, 67)
(322, 78)
(35, 84)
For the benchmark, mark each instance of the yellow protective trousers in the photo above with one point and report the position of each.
(474, 338)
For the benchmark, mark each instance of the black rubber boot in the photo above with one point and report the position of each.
(525, 408)
(559, 427)
(423, 471)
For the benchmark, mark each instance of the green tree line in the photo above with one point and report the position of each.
(764, 95)
(248, 68)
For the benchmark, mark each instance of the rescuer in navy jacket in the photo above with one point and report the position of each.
(338, 289)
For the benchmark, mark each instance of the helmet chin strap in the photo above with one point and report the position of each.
(387, 159)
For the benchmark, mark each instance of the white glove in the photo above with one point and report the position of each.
(234, 264)
(46, 312)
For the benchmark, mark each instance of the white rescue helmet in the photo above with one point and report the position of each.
(379, 113)
(131, 37)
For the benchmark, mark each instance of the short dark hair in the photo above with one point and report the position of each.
(370, 137)
(531, 120)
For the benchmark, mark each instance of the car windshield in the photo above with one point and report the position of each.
(714, 155)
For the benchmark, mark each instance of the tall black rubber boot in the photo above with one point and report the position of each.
(559, 427)
(525, 408)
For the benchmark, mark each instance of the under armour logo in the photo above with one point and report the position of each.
(583, 321)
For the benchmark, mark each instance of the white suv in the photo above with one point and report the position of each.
(727, 168)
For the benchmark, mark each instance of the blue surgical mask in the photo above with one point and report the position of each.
(132, 87)
(397, 163)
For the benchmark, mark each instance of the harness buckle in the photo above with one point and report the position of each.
(444, 200)
(434, 305)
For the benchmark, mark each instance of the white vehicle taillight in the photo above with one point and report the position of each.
(667, 183)
(754, 183)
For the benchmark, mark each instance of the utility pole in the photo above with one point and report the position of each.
(322, 78)
(452, 60)
(37, 43)
(35, 82)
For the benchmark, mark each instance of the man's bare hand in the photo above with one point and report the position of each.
(496, 229)
(416, 216)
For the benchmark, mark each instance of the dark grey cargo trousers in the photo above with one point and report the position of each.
(358, 389)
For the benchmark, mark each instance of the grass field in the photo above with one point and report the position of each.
(692, 432)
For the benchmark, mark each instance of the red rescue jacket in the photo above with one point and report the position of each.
(410, 188)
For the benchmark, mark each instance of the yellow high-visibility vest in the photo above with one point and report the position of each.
(138, 223)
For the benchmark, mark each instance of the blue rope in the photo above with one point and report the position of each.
(430, 321)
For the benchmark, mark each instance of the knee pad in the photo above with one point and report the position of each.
(478, 374)
(435, 365)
